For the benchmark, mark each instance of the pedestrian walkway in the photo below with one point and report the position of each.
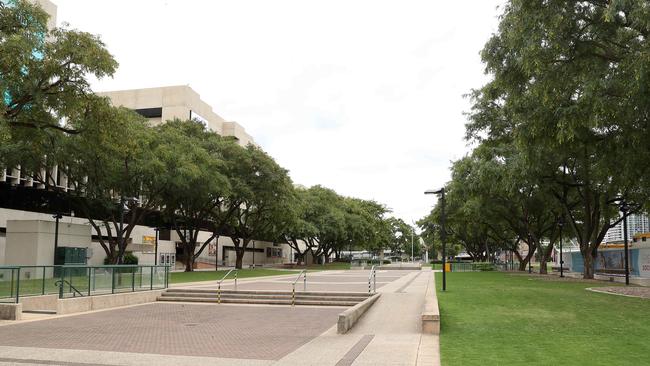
(388, 334)
(219, 335)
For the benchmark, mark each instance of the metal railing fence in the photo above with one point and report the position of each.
(222, 279)
(79, 280)
(372, 281)
(302, 274)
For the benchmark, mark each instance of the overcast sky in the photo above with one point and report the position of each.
(365, 97)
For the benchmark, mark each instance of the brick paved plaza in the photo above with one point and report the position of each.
(256, 332)
(233, 335)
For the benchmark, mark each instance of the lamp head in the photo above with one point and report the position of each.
(431, 191)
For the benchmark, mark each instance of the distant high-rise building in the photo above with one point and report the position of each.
(636, 223)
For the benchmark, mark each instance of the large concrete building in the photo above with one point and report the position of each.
(636, 223)
(27, 237)
(182, 102)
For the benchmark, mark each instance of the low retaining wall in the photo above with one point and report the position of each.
(639, 281)
(11, 311)
(88, 303)
(351, 316)
(403, 268)
(431, 311)
(41, 302)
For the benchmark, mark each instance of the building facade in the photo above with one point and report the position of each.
(182, 102)
(636, 223)
(27, 237)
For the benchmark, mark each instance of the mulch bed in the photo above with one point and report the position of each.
(642, 292)
(554, 277)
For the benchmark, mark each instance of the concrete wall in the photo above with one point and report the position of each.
(31, 242)
(175, 101)
(81, 304)
(11, 311)
(50, 9)
(44, 302)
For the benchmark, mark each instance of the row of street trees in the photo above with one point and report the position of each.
(561, 129)
(179, 175)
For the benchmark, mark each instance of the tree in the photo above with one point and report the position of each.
(194, 187)
(569, 89)
(43, 83)
(402, 234)
(258, 196)
(115, 173)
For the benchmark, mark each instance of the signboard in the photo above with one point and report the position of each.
(644, 262)
(151, 240)
(614, 259)
(212, 249)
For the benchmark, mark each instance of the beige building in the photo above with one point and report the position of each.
(27, 238)
(182, 102)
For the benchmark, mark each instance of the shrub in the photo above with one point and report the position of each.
(130, 258)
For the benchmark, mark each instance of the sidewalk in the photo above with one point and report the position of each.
(388, 334)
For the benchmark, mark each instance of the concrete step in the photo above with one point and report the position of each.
(362, 295)
(257, 301)
(265, 296)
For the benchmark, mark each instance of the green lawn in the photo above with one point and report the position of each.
(491, 318)
(180, 277)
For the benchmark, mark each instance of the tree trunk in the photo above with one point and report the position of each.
(544, 254)
(188, 257)
(239, 261)
(524, 263)
(588, 272)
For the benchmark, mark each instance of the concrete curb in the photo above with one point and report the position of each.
(11, 311)
(351, 316)
(431, 311)
(595, 289)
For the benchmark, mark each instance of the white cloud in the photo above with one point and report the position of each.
(365, 97)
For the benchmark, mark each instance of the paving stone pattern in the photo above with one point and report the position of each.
(643, 292)
(244, 332)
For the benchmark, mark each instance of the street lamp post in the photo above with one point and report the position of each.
(561, 225)
(443, 234)
(58, 216)
(412, 259)
(625, 208)
(155, 250)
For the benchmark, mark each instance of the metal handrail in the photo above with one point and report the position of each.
(372, 278)
(221, 280)
(302, 274)
(60, 283)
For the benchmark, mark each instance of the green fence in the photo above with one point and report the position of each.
(472, 266)
(79, 280)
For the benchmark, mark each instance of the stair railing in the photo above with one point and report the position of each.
(302, 274)
(372, 281)
(221, 280)
(61, 283)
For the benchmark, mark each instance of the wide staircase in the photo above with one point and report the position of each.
(263, 297)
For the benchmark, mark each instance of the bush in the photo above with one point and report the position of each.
(130, 258)
(484, 266)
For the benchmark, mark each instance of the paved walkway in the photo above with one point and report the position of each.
(198, 334)
(388, 334)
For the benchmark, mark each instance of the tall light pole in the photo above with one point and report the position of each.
(625, 208)
(443, 234)
(57, 216)
(412, 229)
(561, 225)
(155, 253)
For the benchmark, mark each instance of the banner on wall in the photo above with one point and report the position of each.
(212, 249)
(611, 259)
(644, 262)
